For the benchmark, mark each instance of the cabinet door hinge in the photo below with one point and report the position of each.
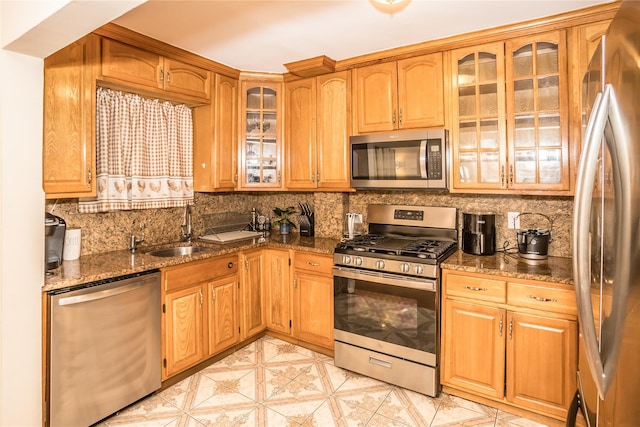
(164, 308)
(290, 324)
(164, 362)
(289, 262)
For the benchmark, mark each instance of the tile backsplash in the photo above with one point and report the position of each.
(102, 232)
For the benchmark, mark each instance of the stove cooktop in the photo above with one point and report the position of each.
(419, 248)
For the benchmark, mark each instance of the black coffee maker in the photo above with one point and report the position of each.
(479, 233)
(54, 231)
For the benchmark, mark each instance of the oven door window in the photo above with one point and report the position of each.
(397, 315)
(384, 161)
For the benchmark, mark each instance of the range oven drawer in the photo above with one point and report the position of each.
(410, 375)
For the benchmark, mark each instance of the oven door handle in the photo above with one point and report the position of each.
(385, 279)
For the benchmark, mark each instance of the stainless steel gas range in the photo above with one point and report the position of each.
(387, 295)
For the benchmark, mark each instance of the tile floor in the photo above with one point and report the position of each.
(273, 383)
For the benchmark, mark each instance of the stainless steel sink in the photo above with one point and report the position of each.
(177, 251)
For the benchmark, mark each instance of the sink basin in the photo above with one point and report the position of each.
(177, 251)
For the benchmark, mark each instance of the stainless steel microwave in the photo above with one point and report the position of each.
(412, 159)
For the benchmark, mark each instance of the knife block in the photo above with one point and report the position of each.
(307, 228)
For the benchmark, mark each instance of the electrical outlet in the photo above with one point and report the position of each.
(513, 220)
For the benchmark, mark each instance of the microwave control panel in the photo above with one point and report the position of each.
(434, 159)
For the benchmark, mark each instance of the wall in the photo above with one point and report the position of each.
(22, 239)
(110, 231)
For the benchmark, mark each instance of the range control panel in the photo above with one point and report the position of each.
(410, 215)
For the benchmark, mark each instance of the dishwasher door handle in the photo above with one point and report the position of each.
(92, 296)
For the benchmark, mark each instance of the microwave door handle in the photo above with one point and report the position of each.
(423, 159)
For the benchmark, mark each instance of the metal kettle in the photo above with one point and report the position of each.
(534, 243)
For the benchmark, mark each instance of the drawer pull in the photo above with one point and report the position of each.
(379, 362)
(313, 264)
(543, 299)
(473, 288)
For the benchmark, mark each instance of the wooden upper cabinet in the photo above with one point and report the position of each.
(317, 132)
(537, 112)
(140, 67)
(131, 64)
(420, 92)
(69, 122)
(584, 40)
(215, 130)
(300, 133)
(260, 151)
(478, 130)
(183, 78)
(399, 95)
(375, 98)
(332, 130)
(514, 139)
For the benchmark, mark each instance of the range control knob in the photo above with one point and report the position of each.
(419, 269)
(346, 259)
(357, 261)
(405, 268)
(380, 264)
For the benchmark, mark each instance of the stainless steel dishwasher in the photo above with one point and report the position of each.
(104, 348)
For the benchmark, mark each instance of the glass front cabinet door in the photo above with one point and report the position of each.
(260, 148)
(510, 118)
(537, 112)
(478, 134)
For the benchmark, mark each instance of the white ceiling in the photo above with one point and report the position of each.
(262, 35)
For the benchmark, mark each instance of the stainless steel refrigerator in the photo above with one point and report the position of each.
(606, 230)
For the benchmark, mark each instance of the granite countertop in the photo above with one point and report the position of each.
(107, 265)
(553, 269)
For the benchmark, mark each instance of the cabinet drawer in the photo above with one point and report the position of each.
(313, 262)
(542, 298)
(197, 272)
(476, 288)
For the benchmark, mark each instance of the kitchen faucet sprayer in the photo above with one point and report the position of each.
(186, 232)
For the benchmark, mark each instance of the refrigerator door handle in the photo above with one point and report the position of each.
(602, 361)
(581, 221)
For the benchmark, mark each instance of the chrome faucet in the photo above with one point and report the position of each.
(186, 231)
(134, 241)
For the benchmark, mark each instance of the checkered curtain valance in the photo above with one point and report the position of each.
(144, 154)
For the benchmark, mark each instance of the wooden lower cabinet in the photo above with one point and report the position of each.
(184, 346)
(473, 348)
(541, 362)
(510, 350)
(200, 314)
(212, 305)
(251, 298)
(313, 299)
(223, 331)
(278, 304)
